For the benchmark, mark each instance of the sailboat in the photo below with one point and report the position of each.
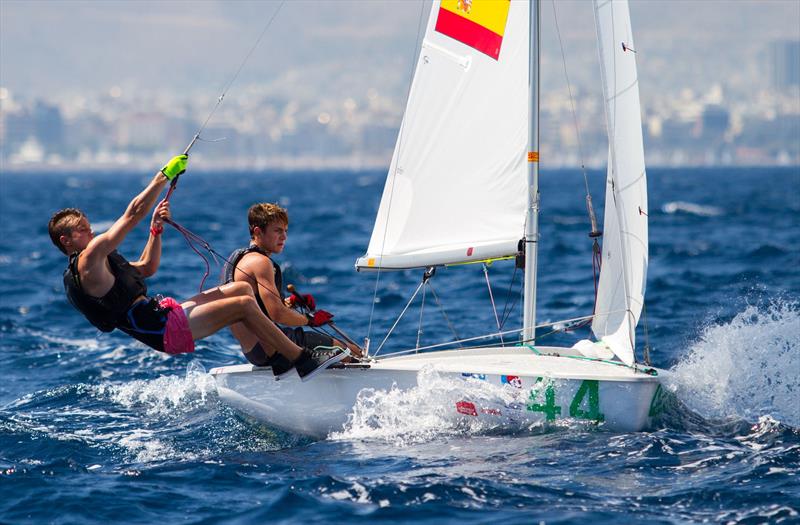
(471, 132)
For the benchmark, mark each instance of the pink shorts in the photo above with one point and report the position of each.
(177, 335)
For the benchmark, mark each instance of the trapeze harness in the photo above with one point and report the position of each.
(302, 338)
(147, 320)
(230, 268)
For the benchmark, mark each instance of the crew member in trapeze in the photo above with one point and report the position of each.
(111, 292)
(269, 227)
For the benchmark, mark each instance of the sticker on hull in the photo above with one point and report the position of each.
(466, 408)
(514, 381)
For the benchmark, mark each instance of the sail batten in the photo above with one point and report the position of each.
(457, 176)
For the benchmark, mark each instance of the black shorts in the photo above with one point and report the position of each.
(306, 338)
(302, 338)
(145, 321)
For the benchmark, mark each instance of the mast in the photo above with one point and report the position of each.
(532, 216)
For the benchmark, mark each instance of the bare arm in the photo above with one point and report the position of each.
(95, 275)
(261, 268)
(151, 255)
(98, 249)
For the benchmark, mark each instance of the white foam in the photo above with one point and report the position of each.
(747, 368)
(101, 226)
(163, 395)
(691, 209)
(86, 344)
(145, 446)
(357, 493)
(422, 413)
(159, 401)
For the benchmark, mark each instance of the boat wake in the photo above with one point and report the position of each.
(141, 421)
(164, 396)
(431, 410)
(746, 369)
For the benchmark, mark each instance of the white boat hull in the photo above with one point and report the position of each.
(510, 386)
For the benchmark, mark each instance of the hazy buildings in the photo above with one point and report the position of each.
(337, 116)
(266, 131)
(785, 64)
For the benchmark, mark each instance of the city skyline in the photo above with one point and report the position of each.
(338, 72)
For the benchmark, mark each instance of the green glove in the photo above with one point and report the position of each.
(175, 166)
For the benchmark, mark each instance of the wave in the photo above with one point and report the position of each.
(142, 420)
(747, 368)
(691, 208)
(425, 412)
(403, 416)
(101, 226)
(164, 395)
(166, 402)
(768, 250)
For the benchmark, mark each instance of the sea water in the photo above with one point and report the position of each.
(96, 428)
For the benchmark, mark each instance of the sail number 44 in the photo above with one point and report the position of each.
(585, 404)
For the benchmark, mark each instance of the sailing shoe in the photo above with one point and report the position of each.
(281, 366)
(312, 362)
(328, 351)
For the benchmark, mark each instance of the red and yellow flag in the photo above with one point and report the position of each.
(477, 23)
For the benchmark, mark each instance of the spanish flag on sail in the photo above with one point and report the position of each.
(477, 23)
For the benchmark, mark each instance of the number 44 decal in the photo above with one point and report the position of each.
(585, 404)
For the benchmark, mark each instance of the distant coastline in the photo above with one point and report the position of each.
(309, 164)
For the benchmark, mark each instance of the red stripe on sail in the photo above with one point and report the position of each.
(468, 32)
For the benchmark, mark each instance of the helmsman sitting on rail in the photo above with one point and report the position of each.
(269, 227)
(111, 293)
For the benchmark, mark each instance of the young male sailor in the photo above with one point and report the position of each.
(110, 291)
(253, 265)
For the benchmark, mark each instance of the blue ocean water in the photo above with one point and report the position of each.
(95, 428)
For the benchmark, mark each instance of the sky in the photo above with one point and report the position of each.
(51, 48)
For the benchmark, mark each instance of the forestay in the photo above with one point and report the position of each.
(456, 188)
(624, 263)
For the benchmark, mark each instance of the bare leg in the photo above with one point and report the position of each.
(247, 340)
(212, 310)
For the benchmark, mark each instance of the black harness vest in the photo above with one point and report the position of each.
(233, 260)
(143, 320)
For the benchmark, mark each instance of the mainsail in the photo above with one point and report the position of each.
(620, 296)
(456, 188)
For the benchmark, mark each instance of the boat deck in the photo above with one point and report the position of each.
(552, 362)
